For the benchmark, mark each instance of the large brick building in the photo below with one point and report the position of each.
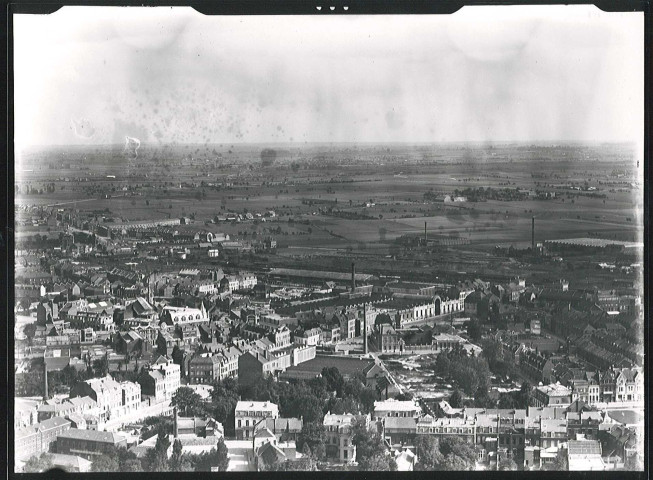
(38, 438)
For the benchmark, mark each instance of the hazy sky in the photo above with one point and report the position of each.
(90, 75)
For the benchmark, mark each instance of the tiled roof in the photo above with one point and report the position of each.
(584, 447)
(255, 406)
(346, 366)
(626, 417)
(396, 405)
(53, 422)
(291, 425)
(400, 423)
(80, 401)
(156, 375)
(92, 435)
(549, 425)
(61, 460)
(270, 453)
(331, 419)
(25, 432)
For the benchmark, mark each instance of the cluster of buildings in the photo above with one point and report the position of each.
(534, 437)
(581, 348)
(531, 437)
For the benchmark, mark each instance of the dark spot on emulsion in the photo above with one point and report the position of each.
(268, 156)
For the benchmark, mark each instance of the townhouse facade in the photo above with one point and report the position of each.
(161, 380)
(339, 435)
(249, 414)
(106, 392)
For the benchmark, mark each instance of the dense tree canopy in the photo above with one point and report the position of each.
(461, 449)
(518, 399)
(188, 402)
(507, 464)
(156, 459)
(215, 458)
(38, 464)
(370, 449)
(456, 399)
(224, 397)
(428, 453)
(29, 331)
(448, 454)
(474, 330)
(105, 463)
(313, 435)
(560, 463)
(334, 380)
(469, 372)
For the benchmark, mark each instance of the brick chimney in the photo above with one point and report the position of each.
(45, 370)
(365, 328)
(175, 423)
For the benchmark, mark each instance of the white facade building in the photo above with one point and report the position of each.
(249, 415)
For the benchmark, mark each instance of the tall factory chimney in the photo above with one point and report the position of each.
(533, 234)
(365, 328)
(425, 239)
(353, 276)
(45, 375)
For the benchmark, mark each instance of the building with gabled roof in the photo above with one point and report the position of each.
(70, 463)
(38, 438)
(255, 365)
(585, 455)
(553, 432)
(535, 365)
(310, 336)
(106, 392)
(89, 444)
(167, 341)
(204, 369)
(552, 395)
(284, 428)
(269, 454)
(130, 342)
(399, 430)
(161, 380)
(139, 312)
(174, 315)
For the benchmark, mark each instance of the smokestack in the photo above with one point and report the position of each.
(353, 276)
(365, 349)
(175, 426)
(533, 234)
(45, 369)
(425, 238)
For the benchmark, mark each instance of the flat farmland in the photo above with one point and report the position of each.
(319, 192)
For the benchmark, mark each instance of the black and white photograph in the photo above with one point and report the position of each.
(334, 242)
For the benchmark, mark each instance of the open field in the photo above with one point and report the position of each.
(334, 198)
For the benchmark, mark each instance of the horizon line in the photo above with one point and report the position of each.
(420, 142)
